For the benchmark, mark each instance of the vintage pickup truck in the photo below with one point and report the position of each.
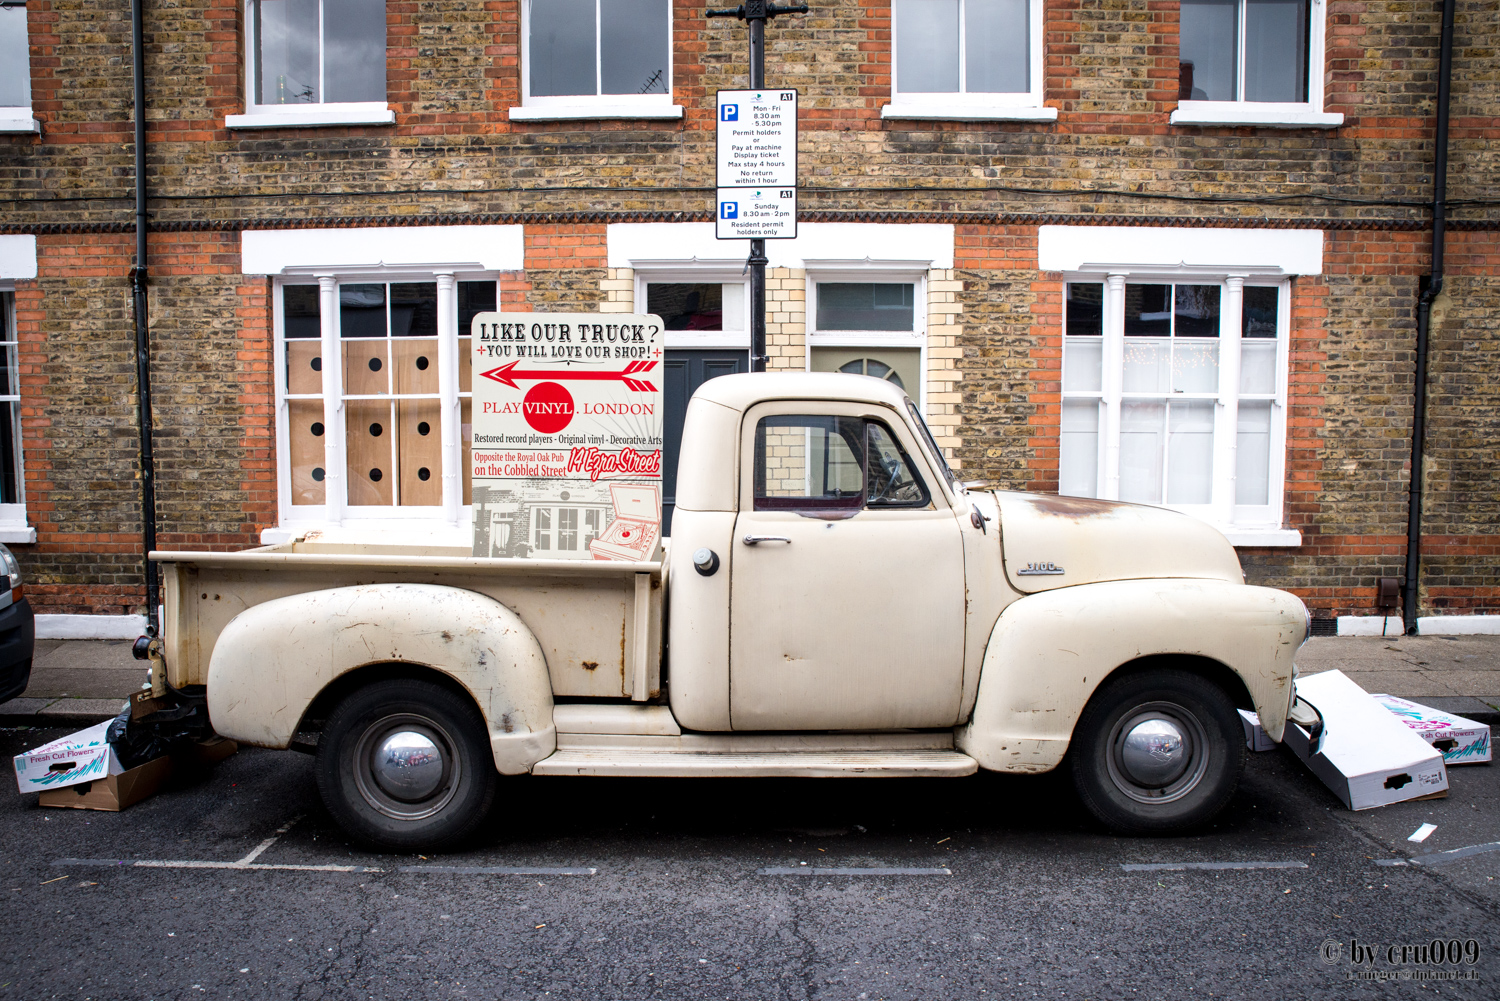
(832, 602)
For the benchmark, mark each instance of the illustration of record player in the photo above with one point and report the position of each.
(633, 533)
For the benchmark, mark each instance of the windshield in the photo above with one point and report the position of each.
(933, 452)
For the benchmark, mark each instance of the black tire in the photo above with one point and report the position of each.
(1143, 787)
(447, 799)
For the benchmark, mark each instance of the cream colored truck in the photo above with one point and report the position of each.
(834, 603)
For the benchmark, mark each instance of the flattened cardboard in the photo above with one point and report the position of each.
(1461, 741)
(1255, 738)
(115, 792)
(79, 757)
(1367, 757)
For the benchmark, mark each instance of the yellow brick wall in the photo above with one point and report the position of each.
(618, 287)
(944, 328)
(786, 319)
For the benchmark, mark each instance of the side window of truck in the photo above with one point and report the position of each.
(831, 464)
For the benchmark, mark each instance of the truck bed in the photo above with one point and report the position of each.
(598, 622)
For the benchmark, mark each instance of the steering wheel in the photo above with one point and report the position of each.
(892, 468)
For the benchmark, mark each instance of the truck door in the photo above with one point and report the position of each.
(847, 576)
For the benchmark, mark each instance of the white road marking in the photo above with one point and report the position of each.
(495, 870)
(1180, 866)
(1454, 854)
(255, 854)
(810, 870)
(242, 865)
(195, 864)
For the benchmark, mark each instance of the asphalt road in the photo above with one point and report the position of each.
(1036, 901)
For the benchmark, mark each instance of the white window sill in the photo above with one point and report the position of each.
(968, 113)
(374, 114)
(1276, 116)
(18, 120)
(569, 112)
(1255, 537)
(386, 533)
(17, 533)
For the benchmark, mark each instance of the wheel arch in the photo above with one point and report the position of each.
(278, 661)
(1208, 668)
(324, 703)
(1050, 652)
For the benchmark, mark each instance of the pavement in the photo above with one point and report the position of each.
(75, 682)
(84, 681)
(237, 884)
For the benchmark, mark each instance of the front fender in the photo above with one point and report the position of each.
(272, 660)
(1049, 652)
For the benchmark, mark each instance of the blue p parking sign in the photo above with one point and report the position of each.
(729, 113)
(729, 210)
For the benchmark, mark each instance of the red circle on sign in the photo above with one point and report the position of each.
(548, 407)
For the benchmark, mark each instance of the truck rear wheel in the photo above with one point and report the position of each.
(1157, 752)
(405, 764)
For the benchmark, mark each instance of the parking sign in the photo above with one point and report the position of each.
(757, 214)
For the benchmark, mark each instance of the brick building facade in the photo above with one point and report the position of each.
(1164, 250)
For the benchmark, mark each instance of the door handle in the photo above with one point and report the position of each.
(751, 540)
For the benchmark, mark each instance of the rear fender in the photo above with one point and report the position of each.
(273, 660)
(1049, 653)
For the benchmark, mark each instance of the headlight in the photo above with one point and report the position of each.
(12, 567)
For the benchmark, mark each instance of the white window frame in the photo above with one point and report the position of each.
(1020, 106)
(18, 117)
(1272, 114)
(13, 526)
(281, 116)
(445, 524)
(1247, 525)
(598, 106)
(880, 274)
(709, 273)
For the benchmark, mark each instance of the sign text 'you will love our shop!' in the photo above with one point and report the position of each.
(567, 435)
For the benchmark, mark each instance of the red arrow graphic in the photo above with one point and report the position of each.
(506, 375)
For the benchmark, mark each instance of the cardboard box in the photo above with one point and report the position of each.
(1255, 738)
(1367, 757)
(1461, 741)
(116, 792)
(79, 757)
(113, 792)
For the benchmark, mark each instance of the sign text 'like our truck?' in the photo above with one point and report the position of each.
(567, 442)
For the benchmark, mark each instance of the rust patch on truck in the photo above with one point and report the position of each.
(591, 665)
(1073, 507)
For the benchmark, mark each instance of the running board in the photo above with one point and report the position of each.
(636, 762)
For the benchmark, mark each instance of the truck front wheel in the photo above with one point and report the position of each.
(404, 764)
(1157, 752)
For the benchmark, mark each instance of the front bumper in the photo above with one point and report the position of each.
(1306, 715)
(17, 643)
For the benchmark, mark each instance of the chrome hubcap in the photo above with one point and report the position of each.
(1158, 752)
(408, 766)
(405, 767)
(1153, 753)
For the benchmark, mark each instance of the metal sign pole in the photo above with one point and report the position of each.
(757, 12)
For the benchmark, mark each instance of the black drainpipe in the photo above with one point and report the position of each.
(1424, 314)
(142, 327)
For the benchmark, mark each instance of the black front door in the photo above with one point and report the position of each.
(684, 372)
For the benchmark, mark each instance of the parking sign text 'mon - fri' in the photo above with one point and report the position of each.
(757, 165)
